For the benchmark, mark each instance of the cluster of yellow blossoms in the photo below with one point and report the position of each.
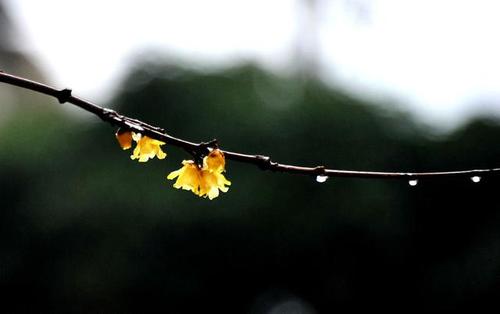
(204, 181)
(146, 148)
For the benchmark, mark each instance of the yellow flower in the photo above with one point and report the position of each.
(206, 181)
(124, 138)
(212, 179)
(211, 183)
(147, 148)
(214, 161)
(188, 177)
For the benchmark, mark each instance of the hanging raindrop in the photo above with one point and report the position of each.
(475, 179)
(321, 179)
(413, 182)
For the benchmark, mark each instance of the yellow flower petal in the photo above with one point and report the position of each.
(188, 177)
(214, 161)
(136, 136)
(147, 148)
(174, 174)
(208, 185)
(211, 183)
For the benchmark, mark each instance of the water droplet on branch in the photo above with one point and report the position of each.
(475, 179)
(413, 182)
(321, 179)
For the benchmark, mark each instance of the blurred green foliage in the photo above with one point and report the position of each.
(85, 229)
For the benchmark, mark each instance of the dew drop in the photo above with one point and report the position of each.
(413, 182)
(321, 179)
(475, 179)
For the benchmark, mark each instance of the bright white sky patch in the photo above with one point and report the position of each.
(440, 59)
(441, 56)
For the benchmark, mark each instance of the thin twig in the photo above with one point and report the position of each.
(263, 162)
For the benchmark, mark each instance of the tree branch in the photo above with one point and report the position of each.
(263, 162)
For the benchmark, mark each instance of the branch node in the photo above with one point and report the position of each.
(320, 171)
(141, 124)
(113, 117)
(265, 162)
(64, 95)
(132, 127)
(210, 144)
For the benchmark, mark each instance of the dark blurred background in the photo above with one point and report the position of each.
(84, 229)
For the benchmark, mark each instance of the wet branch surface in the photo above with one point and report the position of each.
(200, 149)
